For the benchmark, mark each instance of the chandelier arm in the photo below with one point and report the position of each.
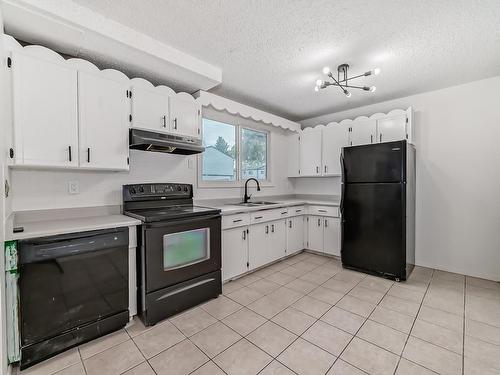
(337, 83)
(361, 75)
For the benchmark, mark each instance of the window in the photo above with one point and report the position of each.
(219, 158)
(253, 154)
(233, 153)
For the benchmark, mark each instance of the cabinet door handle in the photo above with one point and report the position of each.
(245, 234)
(69, 152)
(290, 224)
(371, 138)
(267, 229)
(272, 228)
(317, 169)
(298, 210)
(322, 211)
(326, 223)
(284, 213)
(380, 137)
(164, 121)
(326, 168)
(237, 221)
(319, 222)
(175, 123)
(88, 154)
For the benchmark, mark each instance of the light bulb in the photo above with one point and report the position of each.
(347, 93)
(326, 70)
(373, 88)
(319, 82)
(376, 71)
(316, 89)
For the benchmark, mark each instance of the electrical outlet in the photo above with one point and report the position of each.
(73, 187)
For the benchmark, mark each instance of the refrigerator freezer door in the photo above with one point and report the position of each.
(381, 162)
(373, 230)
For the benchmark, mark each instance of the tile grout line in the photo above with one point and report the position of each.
(413, 324)
(357, 331)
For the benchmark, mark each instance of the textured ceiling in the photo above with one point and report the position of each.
(272, 51)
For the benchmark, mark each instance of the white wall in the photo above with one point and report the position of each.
(45, 189)
(457, 135)
(316, 185)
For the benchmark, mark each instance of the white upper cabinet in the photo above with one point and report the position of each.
(391, 128)
(103, 116)
(310, 153)
(149, 108)
(363, 132)
(334, 138)
(45, 112)
(294, 155)
(185, 115)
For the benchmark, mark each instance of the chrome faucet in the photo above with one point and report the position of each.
(246, 198)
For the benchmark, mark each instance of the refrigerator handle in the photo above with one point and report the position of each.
(342, 184)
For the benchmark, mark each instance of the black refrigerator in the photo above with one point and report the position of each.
(378, 209)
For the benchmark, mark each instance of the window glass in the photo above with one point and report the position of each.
(253, 154)
(219, 158)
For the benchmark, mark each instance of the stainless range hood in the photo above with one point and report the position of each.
(146, 140)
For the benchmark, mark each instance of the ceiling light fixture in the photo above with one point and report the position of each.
(343, 82)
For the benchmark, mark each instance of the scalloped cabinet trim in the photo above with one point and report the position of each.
(315, 151)
(223, 104)
(71, 108)
(49, 55)
(376, 116)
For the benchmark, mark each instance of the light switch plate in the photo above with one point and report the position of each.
(73, 187)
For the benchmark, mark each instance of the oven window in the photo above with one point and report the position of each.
(181, 249)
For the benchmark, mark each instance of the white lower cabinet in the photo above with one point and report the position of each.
(323, 234)
(295, 234)
(234, 252)
(258, 248)
(277, 240)
(315, 233)
(248, 245)
(331, 236)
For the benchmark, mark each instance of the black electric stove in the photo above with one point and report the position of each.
(179, 257)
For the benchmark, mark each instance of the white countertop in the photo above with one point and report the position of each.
(229, 209)
(60, 225)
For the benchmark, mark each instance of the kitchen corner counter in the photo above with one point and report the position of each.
(60, 225)
(281, 201)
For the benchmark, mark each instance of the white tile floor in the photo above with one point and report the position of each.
(306, 315)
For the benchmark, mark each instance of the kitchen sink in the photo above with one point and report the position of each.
(252, 204)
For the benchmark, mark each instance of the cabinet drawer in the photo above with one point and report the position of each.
(236, 220)
(268, 215)
(296, 211)
(324, 211)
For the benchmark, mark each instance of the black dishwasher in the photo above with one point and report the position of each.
(73, 288)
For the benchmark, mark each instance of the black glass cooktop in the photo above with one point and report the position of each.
(170, 212)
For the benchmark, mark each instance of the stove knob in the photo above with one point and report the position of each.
(132, 190)
(186, 189)
(141, 189)
(179, 188)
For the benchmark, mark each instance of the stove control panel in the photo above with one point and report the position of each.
(157, 191)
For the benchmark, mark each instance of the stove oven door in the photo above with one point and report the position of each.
(181, 250)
